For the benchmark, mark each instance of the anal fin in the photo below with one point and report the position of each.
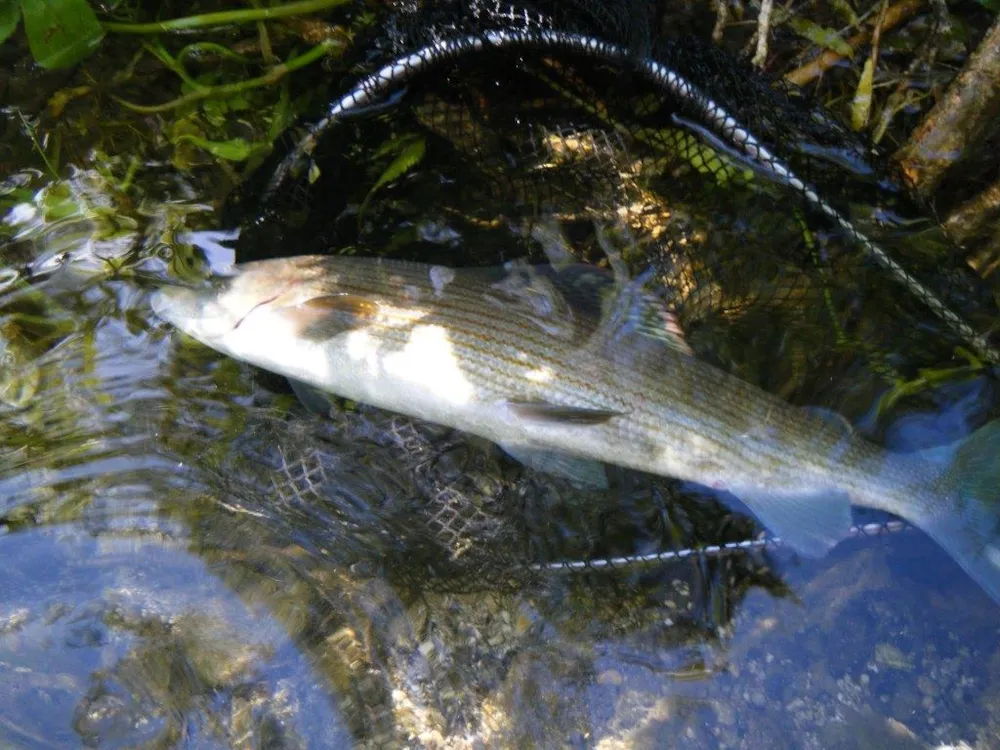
(811, 523)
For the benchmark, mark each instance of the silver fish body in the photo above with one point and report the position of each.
(575, 363)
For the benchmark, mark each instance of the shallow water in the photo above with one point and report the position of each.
(190, 559)
(159, 588)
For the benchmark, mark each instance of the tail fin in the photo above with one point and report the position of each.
(966, 519)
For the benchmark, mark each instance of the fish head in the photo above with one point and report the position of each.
(269, 313)
(362, 328)
(215, 309)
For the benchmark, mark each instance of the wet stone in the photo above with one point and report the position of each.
(724, 713)
(927, 686)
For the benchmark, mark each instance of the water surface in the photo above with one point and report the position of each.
(191, 559)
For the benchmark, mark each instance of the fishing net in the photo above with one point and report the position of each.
(418, 504)
(476, 132)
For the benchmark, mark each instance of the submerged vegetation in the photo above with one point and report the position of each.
(219, 79)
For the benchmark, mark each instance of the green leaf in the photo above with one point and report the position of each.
(60, 32)
(59, 202)
(10, 12)
(861, 107)
(236, 149)
(845, 11)
(410, 151)
(281, 116)
(820, 36)
(993, 5)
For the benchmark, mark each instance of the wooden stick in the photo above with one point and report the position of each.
(957, 122)
(894, 16)
(973, 216)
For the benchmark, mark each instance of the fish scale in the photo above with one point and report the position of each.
(480, 352)
(535, 361)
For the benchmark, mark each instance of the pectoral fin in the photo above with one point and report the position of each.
(810, 523)
(313, 399)
(324, 317)
(543, 411)
(580, 470)
(831, 419)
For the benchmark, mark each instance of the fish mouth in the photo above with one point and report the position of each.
(183, 308)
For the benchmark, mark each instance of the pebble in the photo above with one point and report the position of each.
(927, 686)
(610, 677)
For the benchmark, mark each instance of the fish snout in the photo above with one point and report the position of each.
(198, 313)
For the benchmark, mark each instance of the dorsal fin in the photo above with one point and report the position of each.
(607, 310)
(632, 316)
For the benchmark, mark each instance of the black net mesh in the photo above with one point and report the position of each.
(419, 504)
(479, 132)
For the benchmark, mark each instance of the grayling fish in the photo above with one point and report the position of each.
(565, 369)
